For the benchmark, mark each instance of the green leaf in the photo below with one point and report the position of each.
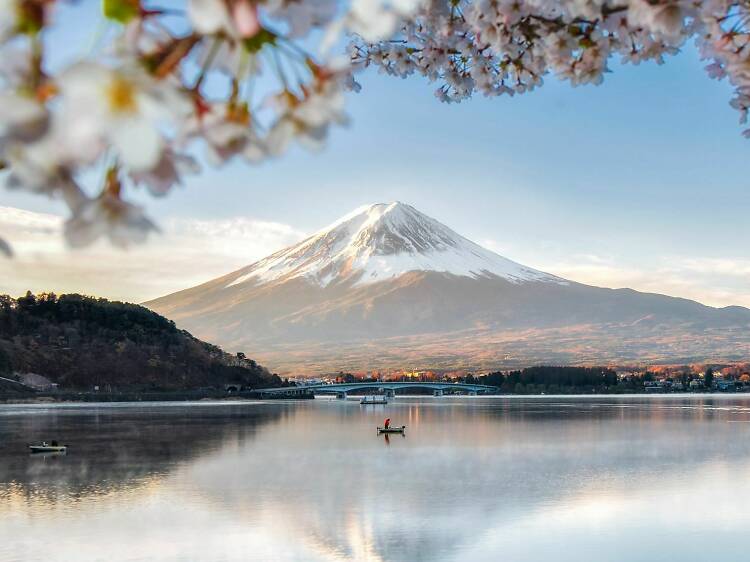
(122, 11)
(29, 18)
(256, 42)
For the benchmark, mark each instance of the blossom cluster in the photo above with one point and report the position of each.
(242, 79)
(224, 78)
(498, 47)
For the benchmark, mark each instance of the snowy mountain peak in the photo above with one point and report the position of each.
(381, 242)
(391, 228)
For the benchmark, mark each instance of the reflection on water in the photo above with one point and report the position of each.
(606, 478)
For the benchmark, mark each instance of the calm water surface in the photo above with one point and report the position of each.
(516, 479)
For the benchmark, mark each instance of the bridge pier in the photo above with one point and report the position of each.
(472, 393)
(390, 393)
(341, 395)
(437, 392)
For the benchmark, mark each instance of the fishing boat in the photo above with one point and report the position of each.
(45, 447)
(374, 400)
(401, 429)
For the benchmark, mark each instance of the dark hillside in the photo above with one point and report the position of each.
(79, 341)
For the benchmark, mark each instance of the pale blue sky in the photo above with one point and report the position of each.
(617, 182)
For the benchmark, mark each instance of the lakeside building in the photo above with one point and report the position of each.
(726, 385)
(302, 381)
(37, 382)
(658, 386)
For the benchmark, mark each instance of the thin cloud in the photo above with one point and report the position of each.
(711, 281)
(188, 252)
(715, 266)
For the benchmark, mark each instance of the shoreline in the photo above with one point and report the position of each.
(197, 396)
(135, 396)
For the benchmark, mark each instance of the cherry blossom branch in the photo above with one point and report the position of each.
(139, 100)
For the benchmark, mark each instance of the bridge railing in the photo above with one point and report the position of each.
(338, 388)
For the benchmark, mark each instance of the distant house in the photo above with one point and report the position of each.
(658, 386)
(626, 375)
(37, 382)
(725, 385)
(307, 382)
(696, 384)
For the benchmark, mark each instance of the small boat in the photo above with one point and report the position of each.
(45, 447)
(401, 429)
(374, 400)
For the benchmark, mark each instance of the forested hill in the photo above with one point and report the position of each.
(79, 341)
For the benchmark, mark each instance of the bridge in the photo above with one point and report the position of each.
(388, 388)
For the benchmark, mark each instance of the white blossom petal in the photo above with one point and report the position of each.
(209, 16)
(138, 142)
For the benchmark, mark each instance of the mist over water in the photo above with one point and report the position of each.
(502, 478)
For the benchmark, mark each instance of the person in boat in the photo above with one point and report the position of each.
(387, 423)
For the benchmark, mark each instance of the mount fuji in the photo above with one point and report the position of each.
(383, 242)
(389, 287)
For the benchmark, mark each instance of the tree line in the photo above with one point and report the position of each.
(553, 379)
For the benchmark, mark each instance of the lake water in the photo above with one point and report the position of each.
(504, 478)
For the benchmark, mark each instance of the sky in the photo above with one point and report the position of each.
(640, 182)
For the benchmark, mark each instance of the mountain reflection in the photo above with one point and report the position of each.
(472, 479)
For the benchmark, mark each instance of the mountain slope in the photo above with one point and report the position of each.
(388, 271)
